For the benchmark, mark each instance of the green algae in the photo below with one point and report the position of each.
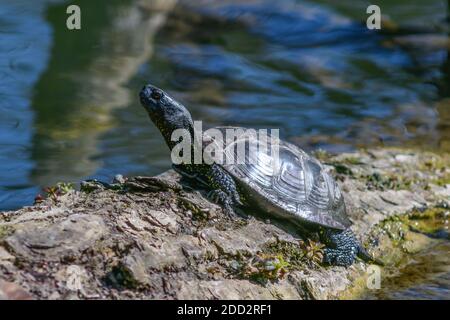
(121, 277)
(5, 231)
(421, 171)
(409, 232)
(398, 239)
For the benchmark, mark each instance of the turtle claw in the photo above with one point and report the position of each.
(338, 257)
(221, 198)
(230, 211)
(343, 248)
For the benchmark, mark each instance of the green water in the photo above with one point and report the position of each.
(69, 107)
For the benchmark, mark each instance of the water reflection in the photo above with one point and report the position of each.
(85, 81)
(22, 59)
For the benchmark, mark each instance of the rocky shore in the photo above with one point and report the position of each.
(159, 238)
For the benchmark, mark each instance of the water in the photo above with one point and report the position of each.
(418, 278)
(69, 107)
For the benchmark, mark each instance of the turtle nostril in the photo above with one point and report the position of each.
(145, 93)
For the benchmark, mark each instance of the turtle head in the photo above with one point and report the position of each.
(165, 112)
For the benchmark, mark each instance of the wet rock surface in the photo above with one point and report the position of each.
(159, 238)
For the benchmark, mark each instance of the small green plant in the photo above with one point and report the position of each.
(342, 169)
(313, 251)
(5, 231)
(298, 254)
(377, 181)
(52, 193)
(56, 191)
(265, 267)
(322, 155)
(353, 161)
(65, 187)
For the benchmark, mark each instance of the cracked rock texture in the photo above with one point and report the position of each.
(159, 238)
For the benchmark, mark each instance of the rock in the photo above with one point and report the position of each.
(158, 238)
(222, 289)
(5, 255)
(65, 238)
(245, 240)
(12, 291)
(415, 242)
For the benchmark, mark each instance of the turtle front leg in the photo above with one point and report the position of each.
(224, 190)
(224, 200)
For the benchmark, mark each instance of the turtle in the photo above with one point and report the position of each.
(297, 188)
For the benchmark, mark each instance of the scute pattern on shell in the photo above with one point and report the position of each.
(297, 186)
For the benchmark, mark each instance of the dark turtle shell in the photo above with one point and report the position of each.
(293, 185)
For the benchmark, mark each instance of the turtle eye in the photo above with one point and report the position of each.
(156, 95)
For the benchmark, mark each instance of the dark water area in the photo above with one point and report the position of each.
(425, 275)
(69, 108)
